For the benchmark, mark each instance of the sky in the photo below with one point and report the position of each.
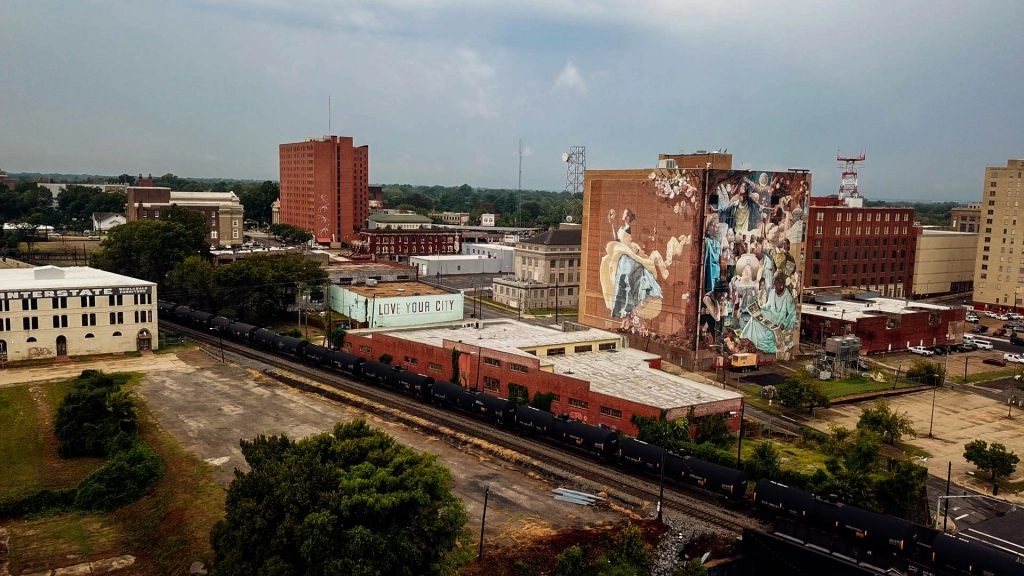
(443, 91)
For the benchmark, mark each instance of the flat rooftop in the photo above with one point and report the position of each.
(394, 289)
(621, 373)
(367, 267)
(866, 308)
(450, 257)
(49, 277)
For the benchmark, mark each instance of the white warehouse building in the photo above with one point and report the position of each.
(51, 312)
(455, 264)
(394, 304)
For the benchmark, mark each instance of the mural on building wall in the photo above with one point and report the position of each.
(699, 264)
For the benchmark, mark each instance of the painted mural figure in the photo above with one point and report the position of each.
(630, 276)
(741, 212)
(770, 327)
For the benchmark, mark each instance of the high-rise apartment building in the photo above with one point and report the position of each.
(999, 267)
(325, 187)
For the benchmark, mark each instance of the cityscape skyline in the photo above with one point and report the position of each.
(442, 92)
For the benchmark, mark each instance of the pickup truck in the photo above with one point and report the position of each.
(920, 350)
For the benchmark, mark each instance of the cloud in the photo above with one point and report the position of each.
(475, 85)
(571, 80)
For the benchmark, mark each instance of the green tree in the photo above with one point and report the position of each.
(765, 462)
(147, 249)
(926, 372)
(261, 286)
(257, 200)
(802, 391)
(350, 502)
(571, 562)
(93, 414)
(713, 429)
(900, 490)
(290, 234)
(888, 423)
(193, 283)
(992, 458)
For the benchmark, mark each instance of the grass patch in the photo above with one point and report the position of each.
(21, 445)
(791, 456)
(857, 385)
(46, 543)
(1007, 372)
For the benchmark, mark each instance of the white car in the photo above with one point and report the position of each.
(1013, 358)
(921, 350)
(990, 314)
(1002, 317)
(982, 344)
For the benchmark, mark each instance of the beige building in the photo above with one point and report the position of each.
(50, 312)
(944, 263)
(966, 218)
(223, 210)
(547, 272)
(397, 220)
(999, 272)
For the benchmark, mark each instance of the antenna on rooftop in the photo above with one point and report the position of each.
(576, 166)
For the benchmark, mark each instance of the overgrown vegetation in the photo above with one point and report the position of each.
(96, 418)
(624, 554)
(351, 502)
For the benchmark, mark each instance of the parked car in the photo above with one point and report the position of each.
(983, 344)
(979, 329)
(973, 319)
(996, 361)
(966, 346)
(920, 350)
(1002, 317)
(1016, 358)
(999, 332)
(1016, 340)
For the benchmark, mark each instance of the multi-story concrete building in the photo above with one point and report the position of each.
(546, 272)
(325, 187)
(849, 245)
(943, 263)
(451, 218)
(223, 211)
(999, 276)
(50, 312)
(966, 218)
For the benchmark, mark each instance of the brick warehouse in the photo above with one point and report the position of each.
(882, 324)
(592, 376)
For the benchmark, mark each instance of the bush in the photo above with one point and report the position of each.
(122, 480)
(42, 502)
(92, 414)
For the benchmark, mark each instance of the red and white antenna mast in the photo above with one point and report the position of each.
(848, 185)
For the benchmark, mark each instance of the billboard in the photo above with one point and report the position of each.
(696, 259)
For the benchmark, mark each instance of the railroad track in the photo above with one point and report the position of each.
(530, 452)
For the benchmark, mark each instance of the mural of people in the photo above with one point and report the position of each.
(738, 290)
(630, 276)
(771, 326)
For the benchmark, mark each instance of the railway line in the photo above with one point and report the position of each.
(533, 453)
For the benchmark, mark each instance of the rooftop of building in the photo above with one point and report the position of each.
(557, 237)
(832, 304)
(492, 229)
(930, 231)
(492, 246)
(622, 373)
(363, 266)
(449, 257)
(49, 277)
(411, 218)
(394, 289)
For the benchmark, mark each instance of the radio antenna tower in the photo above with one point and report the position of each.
(848, 187)
(576, 166)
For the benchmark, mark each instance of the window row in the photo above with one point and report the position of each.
(61, 302)
(87, 319)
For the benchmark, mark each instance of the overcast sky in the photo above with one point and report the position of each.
(443, 90)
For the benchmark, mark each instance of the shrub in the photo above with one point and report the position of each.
(123, 479)
(92, 414)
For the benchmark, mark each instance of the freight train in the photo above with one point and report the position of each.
(877, 532)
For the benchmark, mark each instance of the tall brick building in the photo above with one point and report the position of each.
(325, 187)
(849, 245)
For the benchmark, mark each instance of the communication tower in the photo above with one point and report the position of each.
(848, 185)
(576, 166)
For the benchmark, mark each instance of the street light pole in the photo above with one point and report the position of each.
(483, 523)
(932, 419)
(661, 480)
(739, 444)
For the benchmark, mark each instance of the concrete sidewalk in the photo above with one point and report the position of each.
(62, 371)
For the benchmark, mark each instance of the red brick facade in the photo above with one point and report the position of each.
(400, 244)
(325, 187)
(872, 248)
(883, 333)
(498, 373)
